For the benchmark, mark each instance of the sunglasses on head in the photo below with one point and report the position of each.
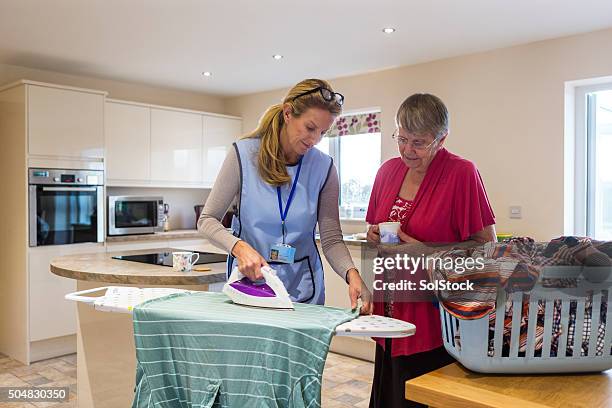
(326, 94)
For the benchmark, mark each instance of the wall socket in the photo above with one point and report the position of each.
(516, 211)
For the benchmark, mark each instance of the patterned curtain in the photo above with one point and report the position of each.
(355, 124)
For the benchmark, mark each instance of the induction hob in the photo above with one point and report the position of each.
(165, 258)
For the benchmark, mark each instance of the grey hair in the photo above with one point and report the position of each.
(423, 114)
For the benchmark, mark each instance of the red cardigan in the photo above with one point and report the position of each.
(450, 206)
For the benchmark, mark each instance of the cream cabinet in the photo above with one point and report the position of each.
(65, 122)
(157, 146)
(127, 142)
(52, 319)
(176, 146)
(219, 134)
(336, 295)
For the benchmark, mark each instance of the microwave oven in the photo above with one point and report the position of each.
(135, 215)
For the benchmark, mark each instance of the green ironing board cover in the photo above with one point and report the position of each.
(202, 350)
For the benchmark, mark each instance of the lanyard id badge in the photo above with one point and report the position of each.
(283, 252)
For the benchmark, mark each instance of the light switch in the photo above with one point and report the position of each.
(516, 211)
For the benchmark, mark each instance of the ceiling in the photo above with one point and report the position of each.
(169, 43)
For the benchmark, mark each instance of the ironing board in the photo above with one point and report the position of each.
(123, 299)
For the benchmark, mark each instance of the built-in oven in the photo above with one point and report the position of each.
(135, 215)
(65, 206)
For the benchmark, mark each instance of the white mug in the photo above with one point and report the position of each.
(389, 232)
(183, 261)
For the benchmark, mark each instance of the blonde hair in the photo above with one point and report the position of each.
(271, 162)
(423, 114)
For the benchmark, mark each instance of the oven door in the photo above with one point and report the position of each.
(66, 215)
(133, 215)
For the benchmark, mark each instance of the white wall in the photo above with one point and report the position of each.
(507, 115)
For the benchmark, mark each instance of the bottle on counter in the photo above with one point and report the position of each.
(166, 219)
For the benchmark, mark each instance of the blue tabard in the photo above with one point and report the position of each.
(258, 221)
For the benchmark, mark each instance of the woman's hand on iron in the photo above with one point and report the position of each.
(358, 290)
(250, 261)
(373, 234)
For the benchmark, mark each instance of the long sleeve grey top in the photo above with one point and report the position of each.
(224, 193)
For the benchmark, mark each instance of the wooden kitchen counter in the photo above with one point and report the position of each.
(101, 267)
(454, 386)
(106, 356)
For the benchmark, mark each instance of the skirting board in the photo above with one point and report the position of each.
(55, 347)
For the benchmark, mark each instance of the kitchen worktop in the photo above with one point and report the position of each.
(101, 267)
(157, 236)
(349, 239)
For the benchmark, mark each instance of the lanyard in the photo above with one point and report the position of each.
(283, 214)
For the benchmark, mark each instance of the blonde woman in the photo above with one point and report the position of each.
(284, 188)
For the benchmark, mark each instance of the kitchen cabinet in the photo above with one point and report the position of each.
(50, 315)
(41, 125)
(176, 146)
(157, 146)
(127, 142)
(219, 134)
(65, 122)
(336, 295)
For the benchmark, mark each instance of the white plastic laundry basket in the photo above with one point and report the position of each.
(471, 348)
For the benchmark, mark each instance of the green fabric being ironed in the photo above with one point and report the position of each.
(201, 350)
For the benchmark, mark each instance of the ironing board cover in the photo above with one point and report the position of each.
(199, 349)
(122, 299)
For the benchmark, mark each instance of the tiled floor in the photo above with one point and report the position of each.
(57, 372)
(346, 381)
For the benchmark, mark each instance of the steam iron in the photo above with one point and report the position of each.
(269, 294)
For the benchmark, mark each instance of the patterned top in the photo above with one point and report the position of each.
(400, 210)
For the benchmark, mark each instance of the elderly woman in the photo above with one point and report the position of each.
(437, 196)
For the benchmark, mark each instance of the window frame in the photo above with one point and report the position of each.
(335, 153)
(584, 157)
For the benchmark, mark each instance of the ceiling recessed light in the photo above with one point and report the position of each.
(277, 57)
(388, 30)
(207, 73)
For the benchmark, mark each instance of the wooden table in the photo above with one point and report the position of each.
(455, 386)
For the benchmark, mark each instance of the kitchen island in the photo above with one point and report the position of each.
(106, 358)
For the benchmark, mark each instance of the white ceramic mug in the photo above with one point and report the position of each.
(389, 232)
(184, 261)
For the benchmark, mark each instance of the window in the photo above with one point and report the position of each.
(593, 161)
(354, 142)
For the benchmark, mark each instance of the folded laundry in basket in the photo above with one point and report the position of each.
(200, 349)
(514, 265)
(506, 265)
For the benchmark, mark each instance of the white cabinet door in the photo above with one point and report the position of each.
(219, 134)
(50, 314)
(176, 146)
(336, 289)
(127, 141)
(63, 122)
